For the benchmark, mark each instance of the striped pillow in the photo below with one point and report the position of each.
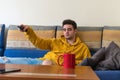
(17, 39)
(111, 33)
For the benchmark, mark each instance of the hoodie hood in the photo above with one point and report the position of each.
(77, 40)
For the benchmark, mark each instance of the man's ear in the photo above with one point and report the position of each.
(75, 30)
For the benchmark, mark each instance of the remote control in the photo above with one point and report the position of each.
(21, 28)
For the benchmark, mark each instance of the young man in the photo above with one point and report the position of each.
(68, 42)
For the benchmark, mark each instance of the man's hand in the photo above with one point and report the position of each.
(23, 28)
(47, 62)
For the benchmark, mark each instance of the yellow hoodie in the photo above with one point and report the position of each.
(58, 47)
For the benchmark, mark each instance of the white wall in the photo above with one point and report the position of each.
(53, 12)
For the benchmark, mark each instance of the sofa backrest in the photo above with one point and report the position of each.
(111, 33)
(95, 38)
(92, 36)
(17, 39)
(17, 45)
(2, 36)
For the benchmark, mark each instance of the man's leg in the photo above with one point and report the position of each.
(2, 60)
(20, 60)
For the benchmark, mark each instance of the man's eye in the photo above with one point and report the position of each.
(64, 29)
(69, 29)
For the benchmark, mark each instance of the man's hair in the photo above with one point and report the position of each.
(71, 22)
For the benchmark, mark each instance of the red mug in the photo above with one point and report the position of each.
(68, 60)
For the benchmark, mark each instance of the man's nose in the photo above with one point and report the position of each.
(67, 30)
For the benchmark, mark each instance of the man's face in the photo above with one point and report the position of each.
(69, 31)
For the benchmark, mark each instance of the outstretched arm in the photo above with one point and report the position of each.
(37, 41)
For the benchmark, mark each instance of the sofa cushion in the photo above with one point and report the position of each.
(111, 33)
(92, 36)
(108, 75)
(112, 58)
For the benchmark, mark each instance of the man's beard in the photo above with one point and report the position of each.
(69, 38)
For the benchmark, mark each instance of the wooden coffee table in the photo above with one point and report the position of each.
(42, 72)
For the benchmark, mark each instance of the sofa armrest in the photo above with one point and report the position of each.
(2, 36)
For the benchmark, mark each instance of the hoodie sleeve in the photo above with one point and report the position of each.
(37, 41)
